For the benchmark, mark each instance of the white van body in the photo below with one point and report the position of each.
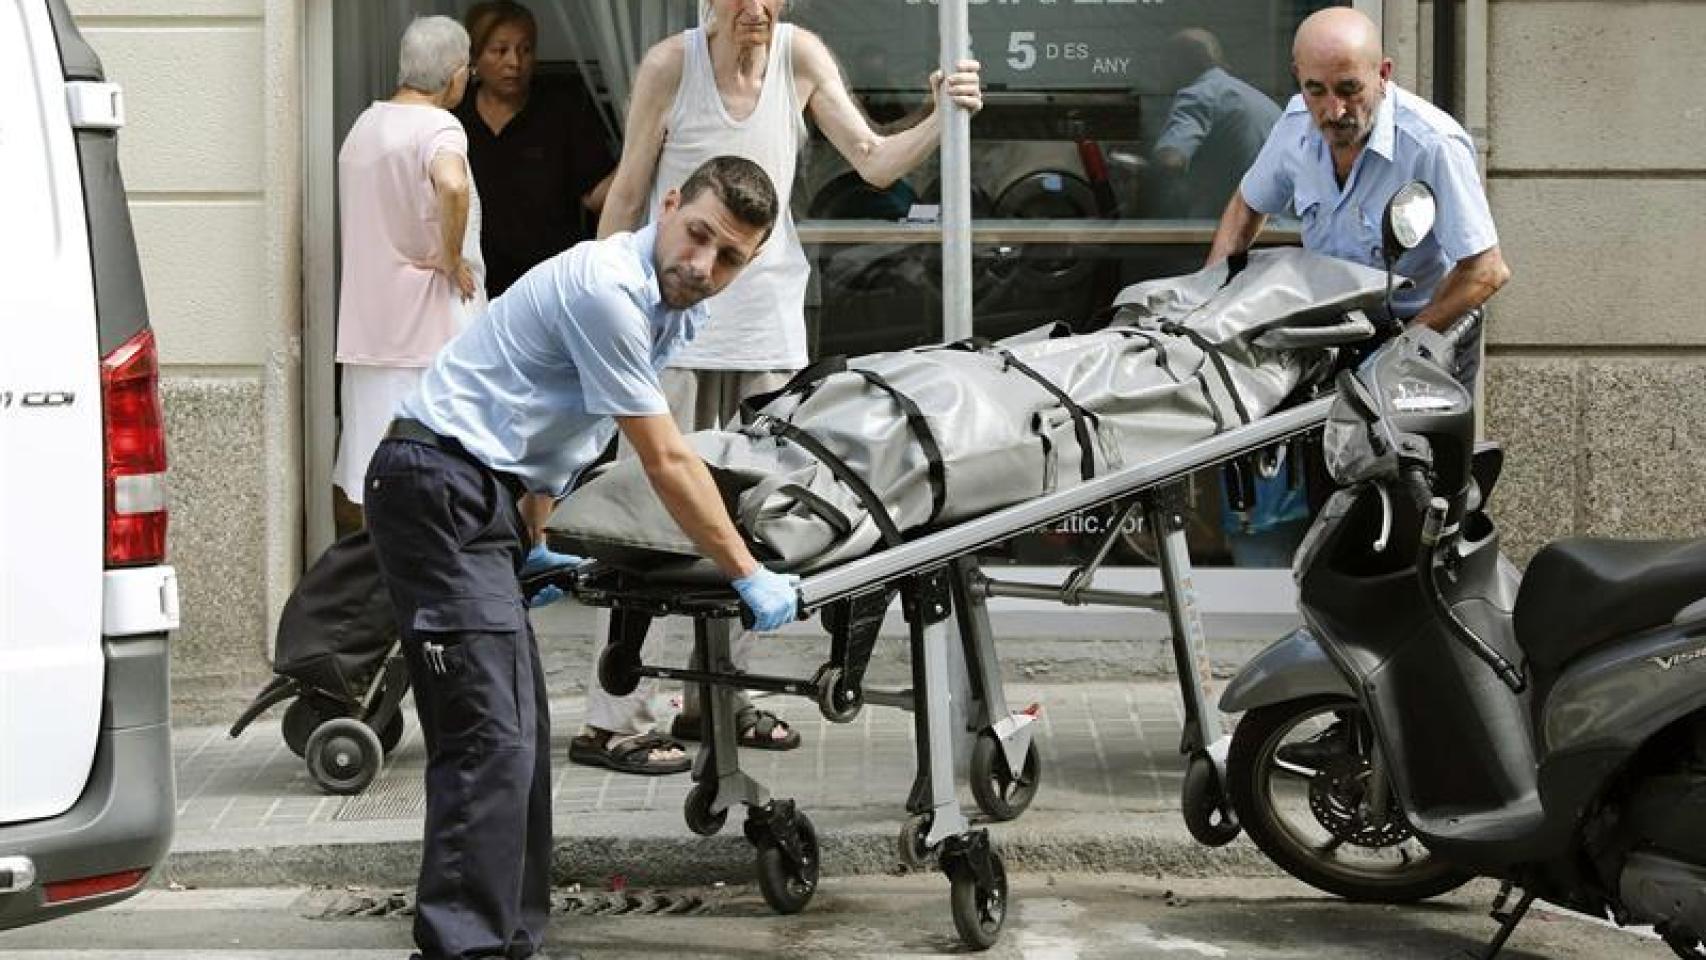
(86, 794)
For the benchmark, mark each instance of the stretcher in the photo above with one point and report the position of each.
(939, 581)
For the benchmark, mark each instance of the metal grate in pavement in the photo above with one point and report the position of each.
(398, 794)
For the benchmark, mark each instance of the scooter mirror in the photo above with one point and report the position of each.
(1409, 218)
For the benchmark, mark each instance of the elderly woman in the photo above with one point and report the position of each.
(409, 216)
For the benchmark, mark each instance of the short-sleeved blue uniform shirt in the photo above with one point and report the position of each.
(1411, 140)
(531, 386)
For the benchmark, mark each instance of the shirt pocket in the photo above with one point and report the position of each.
(1308, 204)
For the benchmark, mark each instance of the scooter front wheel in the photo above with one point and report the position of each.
(1298, 773)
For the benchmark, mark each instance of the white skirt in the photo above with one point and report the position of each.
(370, 399)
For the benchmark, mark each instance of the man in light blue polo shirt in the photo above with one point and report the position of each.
(522, 401)
(1342, 149)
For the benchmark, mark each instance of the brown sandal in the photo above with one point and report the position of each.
(631, 754)
(757, 730)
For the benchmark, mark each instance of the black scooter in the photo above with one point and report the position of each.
(1441, 716)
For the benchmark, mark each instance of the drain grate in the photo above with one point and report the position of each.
(346, 905)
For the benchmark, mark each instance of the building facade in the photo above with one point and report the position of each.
(1591, 115)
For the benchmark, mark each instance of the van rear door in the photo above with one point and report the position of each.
(51, 462)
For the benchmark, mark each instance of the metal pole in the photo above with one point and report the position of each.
(955, 179)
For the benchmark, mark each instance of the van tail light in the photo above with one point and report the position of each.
(136, 454)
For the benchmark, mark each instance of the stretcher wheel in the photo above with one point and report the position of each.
(914, 846)
(344, 755)
(391, 734)
(301, 719)
(618, 670)
(832, 700)
(1203, 804)
(788, 886)
(697, 810)
(980, 910)
(999, 793)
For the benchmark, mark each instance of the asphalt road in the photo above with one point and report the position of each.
(1069, 917)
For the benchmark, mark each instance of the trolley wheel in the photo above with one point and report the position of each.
(979, 910)
(391, 734)
(1203, 802)
(914, 846)
(788, 886)
(832, 701)
(618, 670)
(344, 755)
(999, 793)
(301, 719)
(697, 810)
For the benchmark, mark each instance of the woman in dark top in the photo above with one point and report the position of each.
(537, 146)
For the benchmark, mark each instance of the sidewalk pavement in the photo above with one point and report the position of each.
(249, 814)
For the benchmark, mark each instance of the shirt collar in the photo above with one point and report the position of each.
(1384, 135)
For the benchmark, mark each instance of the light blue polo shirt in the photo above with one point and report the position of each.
(531, 386)
(1412, 140)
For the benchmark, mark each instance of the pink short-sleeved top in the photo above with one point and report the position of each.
(390, 311)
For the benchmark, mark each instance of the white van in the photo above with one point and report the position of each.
(86, 599)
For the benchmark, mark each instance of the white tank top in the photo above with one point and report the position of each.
(758, 322)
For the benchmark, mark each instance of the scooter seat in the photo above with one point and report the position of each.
(1581, 593)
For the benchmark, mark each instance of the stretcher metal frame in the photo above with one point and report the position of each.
(937, 575)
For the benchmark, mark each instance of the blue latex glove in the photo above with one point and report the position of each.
(771, 597)
(546, 596)
(540, 560)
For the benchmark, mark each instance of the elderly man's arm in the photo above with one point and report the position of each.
(1471, 282)
(655, 85)
(1238, 227)
(687, 491)
(449, 172)
(880, 160)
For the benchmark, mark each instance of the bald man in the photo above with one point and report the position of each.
(1341, 150)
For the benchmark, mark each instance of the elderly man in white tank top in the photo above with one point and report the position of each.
(739, 84)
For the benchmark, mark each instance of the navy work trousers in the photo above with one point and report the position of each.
(448, 538)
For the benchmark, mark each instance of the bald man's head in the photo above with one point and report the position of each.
(1338, 63)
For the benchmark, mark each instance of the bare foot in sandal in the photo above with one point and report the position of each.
(759, 729)
(645, 754)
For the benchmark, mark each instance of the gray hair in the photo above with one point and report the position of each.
(434, 48)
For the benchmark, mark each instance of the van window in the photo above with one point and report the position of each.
(31, 242)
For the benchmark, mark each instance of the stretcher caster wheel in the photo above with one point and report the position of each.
(697, 810)
(914, 846)
(391, 733)
(1203, 803)
(999, 792)
(301, 719)
(835, 703)
(788, 877)
(618, 669)
(344, 755)
(979, 898)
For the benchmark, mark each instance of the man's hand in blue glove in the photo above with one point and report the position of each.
(540, 563)
(771, 597)
(541, 560)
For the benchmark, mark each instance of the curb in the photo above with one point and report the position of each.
(596, 849)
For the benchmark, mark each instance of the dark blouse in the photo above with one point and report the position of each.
(532, 175)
